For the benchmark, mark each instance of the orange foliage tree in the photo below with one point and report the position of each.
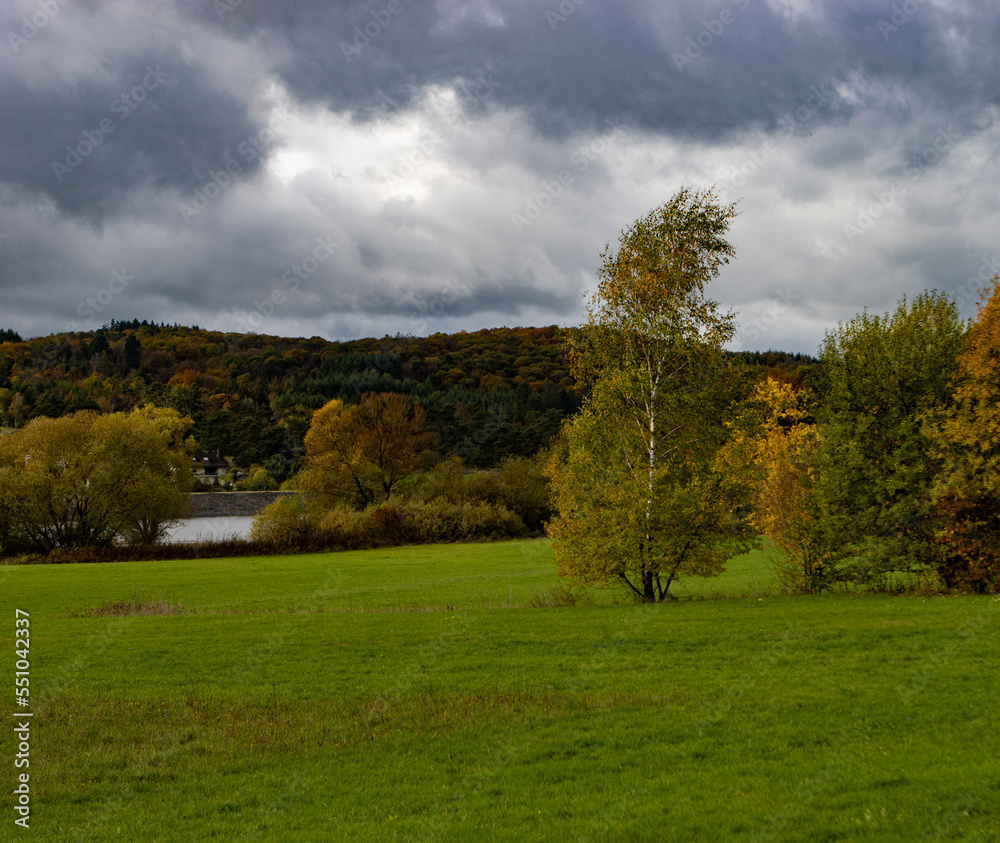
(967, 440)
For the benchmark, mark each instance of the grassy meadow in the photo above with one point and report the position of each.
(450, 693)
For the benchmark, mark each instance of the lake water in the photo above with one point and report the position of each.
(208, 529)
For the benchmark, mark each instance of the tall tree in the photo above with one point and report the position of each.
(639, 502)
(965, 437)
(335, 470)
(770, 461)
(156, 458)
(390, 434)
(878, 377)
(132, 353)
(363, 451)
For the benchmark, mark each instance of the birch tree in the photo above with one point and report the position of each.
(638, 498)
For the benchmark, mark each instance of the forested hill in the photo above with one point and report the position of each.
(487, 394)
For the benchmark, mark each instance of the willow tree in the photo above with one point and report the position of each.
(639, 500)
(91, 480)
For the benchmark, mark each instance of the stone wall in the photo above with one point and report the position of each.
(221, 504)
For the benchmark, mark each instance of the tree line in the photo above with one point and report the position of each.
(878, 471)
(652, 453)
(487, 395)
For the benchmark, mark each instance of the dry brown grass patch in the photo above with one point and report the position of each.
(136, 605)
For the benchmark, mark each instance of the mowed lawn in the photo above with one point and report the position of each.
(418, 694)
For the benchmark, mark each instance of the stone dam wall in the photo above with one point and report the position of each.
(223, 504)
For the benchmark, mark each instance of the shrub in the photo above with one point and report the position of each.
(526, 491)
(440, 521)
(283, 521)
(519, 486)
(417, 523)
(351, 525)
(388, 523)
(261, 481)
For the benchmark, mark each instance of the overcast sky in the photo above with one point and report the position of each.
(350, 169)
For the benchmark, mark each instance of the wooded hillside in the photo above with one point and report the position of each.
(487, 394)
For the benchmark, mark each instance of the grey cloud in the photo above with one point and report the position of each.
(90, 149)
(850, 102)
(627, 59)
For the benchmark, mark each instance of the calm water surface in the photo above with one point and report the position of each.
(208, 529)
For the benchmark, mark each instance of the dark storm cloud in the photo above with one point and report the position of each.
(139, 136)
(156, 124)
(692, 69)
(569, 66)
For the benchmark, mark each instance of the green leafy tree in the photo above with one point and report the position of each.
(132, 352)
(156, 458)
(278, 467)
(362, 452)
(390, 434)
(770, 462)
(15, 410)
(639, 501)
(89, 480)
(525, 490)
(98, 345)
(261, 481)
(874, 471)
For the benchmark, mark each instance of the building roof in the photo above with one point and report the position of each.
(209, 459)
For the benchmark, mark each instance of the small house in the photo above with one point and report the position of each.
(208, 466)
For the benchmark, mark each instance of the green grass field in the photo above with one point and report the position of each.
(418, 694)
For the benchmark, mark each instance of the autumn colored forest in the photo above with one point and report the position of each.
(487, 394)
